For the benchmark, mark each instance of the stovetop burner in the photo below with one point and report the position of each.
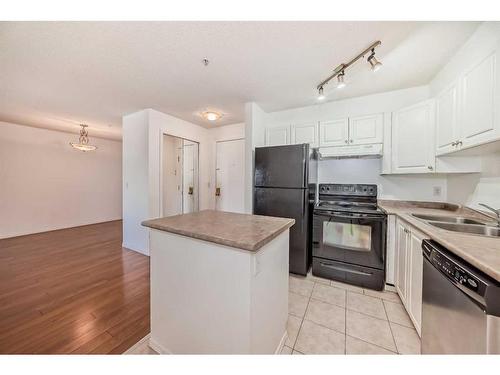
(348, 197)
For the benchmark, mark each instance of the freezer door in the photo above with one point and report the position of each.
(282, 166)
(294, 204)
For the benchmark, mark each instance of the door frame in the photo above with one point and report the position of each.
(160, 201)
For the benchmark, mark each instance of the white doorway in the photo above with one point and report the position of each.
(229, 176)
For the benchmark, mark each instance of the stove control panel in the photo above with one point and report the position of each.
(359, 190)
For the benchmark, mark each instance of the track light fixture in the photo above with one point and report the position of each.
(375, 64)
(321, 96)
(339, 71)
(340, 80)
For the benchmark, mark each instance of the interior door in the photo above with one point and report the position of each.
(229, 173)
(188, 180)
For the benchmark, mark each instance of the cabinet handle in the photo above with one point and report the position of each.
(430, 167)
(459, 143)
(346, 141)
(453, 144)
(351, 140)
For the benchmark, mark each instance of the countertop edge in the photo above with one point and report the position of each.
(433, 234)
(204, 237)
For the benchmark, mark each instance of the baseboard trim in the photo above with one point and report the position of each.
(282, 343)
(157, 347)
(132, 249)
(137, 344)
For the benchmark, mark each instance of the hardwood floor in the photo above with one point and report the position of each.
(72, 291)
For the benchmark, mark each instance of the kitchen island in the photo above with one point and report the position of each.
(219, 283)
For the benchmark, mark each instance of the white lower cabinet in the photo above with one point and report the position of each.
(409, 270)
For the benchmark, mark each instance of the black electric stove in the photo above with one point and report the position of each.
(349, 235)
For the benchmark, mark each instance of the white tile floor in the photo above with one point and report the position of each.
(328, 317)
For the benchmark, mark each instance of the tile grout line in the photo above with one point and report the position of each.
(303, 318)
(390, 328)
(345, 325)
(371, 343)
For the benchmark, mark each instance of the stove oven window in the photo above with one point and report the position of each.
(347, 236)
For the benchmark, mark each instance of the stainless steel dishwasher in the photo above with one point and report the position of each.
(461, 306)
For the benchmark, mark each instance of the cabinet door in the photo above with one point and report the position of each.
(401, 260)
(305, 133)
(277, 136)
(447, 132)
(478, 102)
(413, 139)
(366, 129)
(415, 268)
(334, 133)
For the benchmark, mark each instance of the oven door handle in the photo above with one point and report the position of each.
(366, 216)
(342, 269)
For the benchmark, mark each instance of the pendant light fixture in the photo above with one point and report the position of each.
(339, 71)
(83, 141)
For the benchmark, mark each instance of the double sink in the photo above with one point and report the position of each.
(461, 224)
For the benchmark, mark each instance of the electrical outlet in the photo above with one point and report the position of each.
(436, 191)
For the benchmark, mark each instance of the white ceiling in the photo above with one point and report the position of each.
(56, 74)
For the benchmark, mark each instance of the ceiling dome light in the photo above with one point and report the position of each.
(321, 96)
(83, 141)
(340, 80)
(211, 116)
(375, 64)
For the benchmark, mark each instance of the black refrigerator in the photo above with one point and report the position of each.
(284, 186)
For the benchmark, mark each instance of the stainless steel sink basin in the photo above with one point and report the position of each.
(483, 230)
(448, 219)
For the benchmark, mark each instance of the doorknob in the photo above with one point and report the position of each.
(190, 190)
(217, 192)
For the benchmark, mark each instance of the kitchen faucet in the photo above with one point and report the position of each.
(497, 212)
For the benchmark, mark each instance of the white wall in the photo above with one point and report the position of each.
(142, 154)
(135, 132)
(367, 171)
(471, 189)
(45, 184)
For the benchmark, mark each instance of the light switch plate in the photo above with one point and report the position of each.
(436, 191)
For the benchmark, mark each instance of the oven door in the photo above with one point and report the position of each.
(350, 237)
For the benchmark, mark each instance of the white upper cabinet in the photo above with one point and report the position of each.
(277, 136)
(447, 132)
(305, 133)
(334, 133)
(366, 129)
(413, 138)
(477, 118)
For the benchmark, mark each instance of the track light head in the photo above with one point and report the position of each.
(321, 95)
(340, 80)
(375, 64)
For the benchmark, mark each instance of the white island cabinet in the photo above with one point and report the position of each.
(219, 283)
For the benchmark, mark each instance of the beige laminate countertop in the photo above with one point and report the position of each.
(243, 231)
(482, 252)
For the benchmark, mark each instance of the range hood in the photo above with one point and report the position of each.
(356, 151)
